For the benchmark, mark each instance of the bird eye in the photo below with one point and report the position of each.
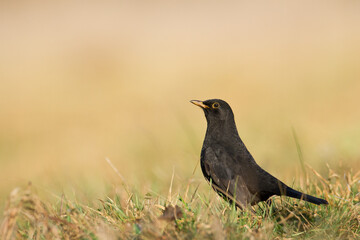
(216, 105)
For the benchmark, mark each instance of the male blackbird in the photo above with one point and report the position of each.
(229, 167)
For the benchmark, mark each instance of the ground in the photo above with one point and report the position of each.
(188, 214)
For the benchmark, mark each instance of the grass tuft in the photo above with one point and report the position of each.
(202, 216)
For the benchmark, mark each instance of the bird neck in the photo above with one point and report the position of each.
(221, 130)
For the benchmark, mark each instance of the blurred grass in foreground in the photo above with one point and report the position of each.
(198, 215)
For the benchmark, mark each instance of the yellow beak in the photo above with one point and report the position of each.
(199, 103)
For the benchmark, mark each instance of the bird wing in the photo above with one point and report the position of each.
(259, 182)
(216, 165)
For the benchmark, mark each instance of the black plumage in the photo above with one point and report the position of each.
(228, 165)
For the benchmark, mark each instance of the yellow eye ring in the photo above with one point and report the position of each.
(215, 105)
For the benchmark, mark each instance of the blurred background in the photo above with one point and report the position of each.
(80, 82)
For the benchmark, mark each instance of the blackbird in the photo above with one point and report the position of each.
(228, 165)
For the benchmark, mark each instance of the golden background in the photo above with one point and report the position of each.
(80, 82)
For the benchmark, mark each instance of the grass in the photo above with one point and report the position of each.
(196, 215)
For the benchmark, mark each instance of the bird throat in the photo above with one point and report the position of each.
(218, 130)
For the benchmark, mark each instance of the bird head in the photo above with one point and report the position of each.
(216, 110)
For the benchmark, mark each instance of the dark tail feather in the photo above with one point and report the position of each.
(295, 194)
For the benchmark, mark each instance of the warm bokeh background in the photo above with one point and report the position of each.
(83, 81)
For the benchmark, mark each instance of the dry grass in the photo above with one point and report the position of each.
(130, 215)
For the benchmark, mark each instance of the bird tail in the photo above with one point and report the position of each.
(299, 195)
